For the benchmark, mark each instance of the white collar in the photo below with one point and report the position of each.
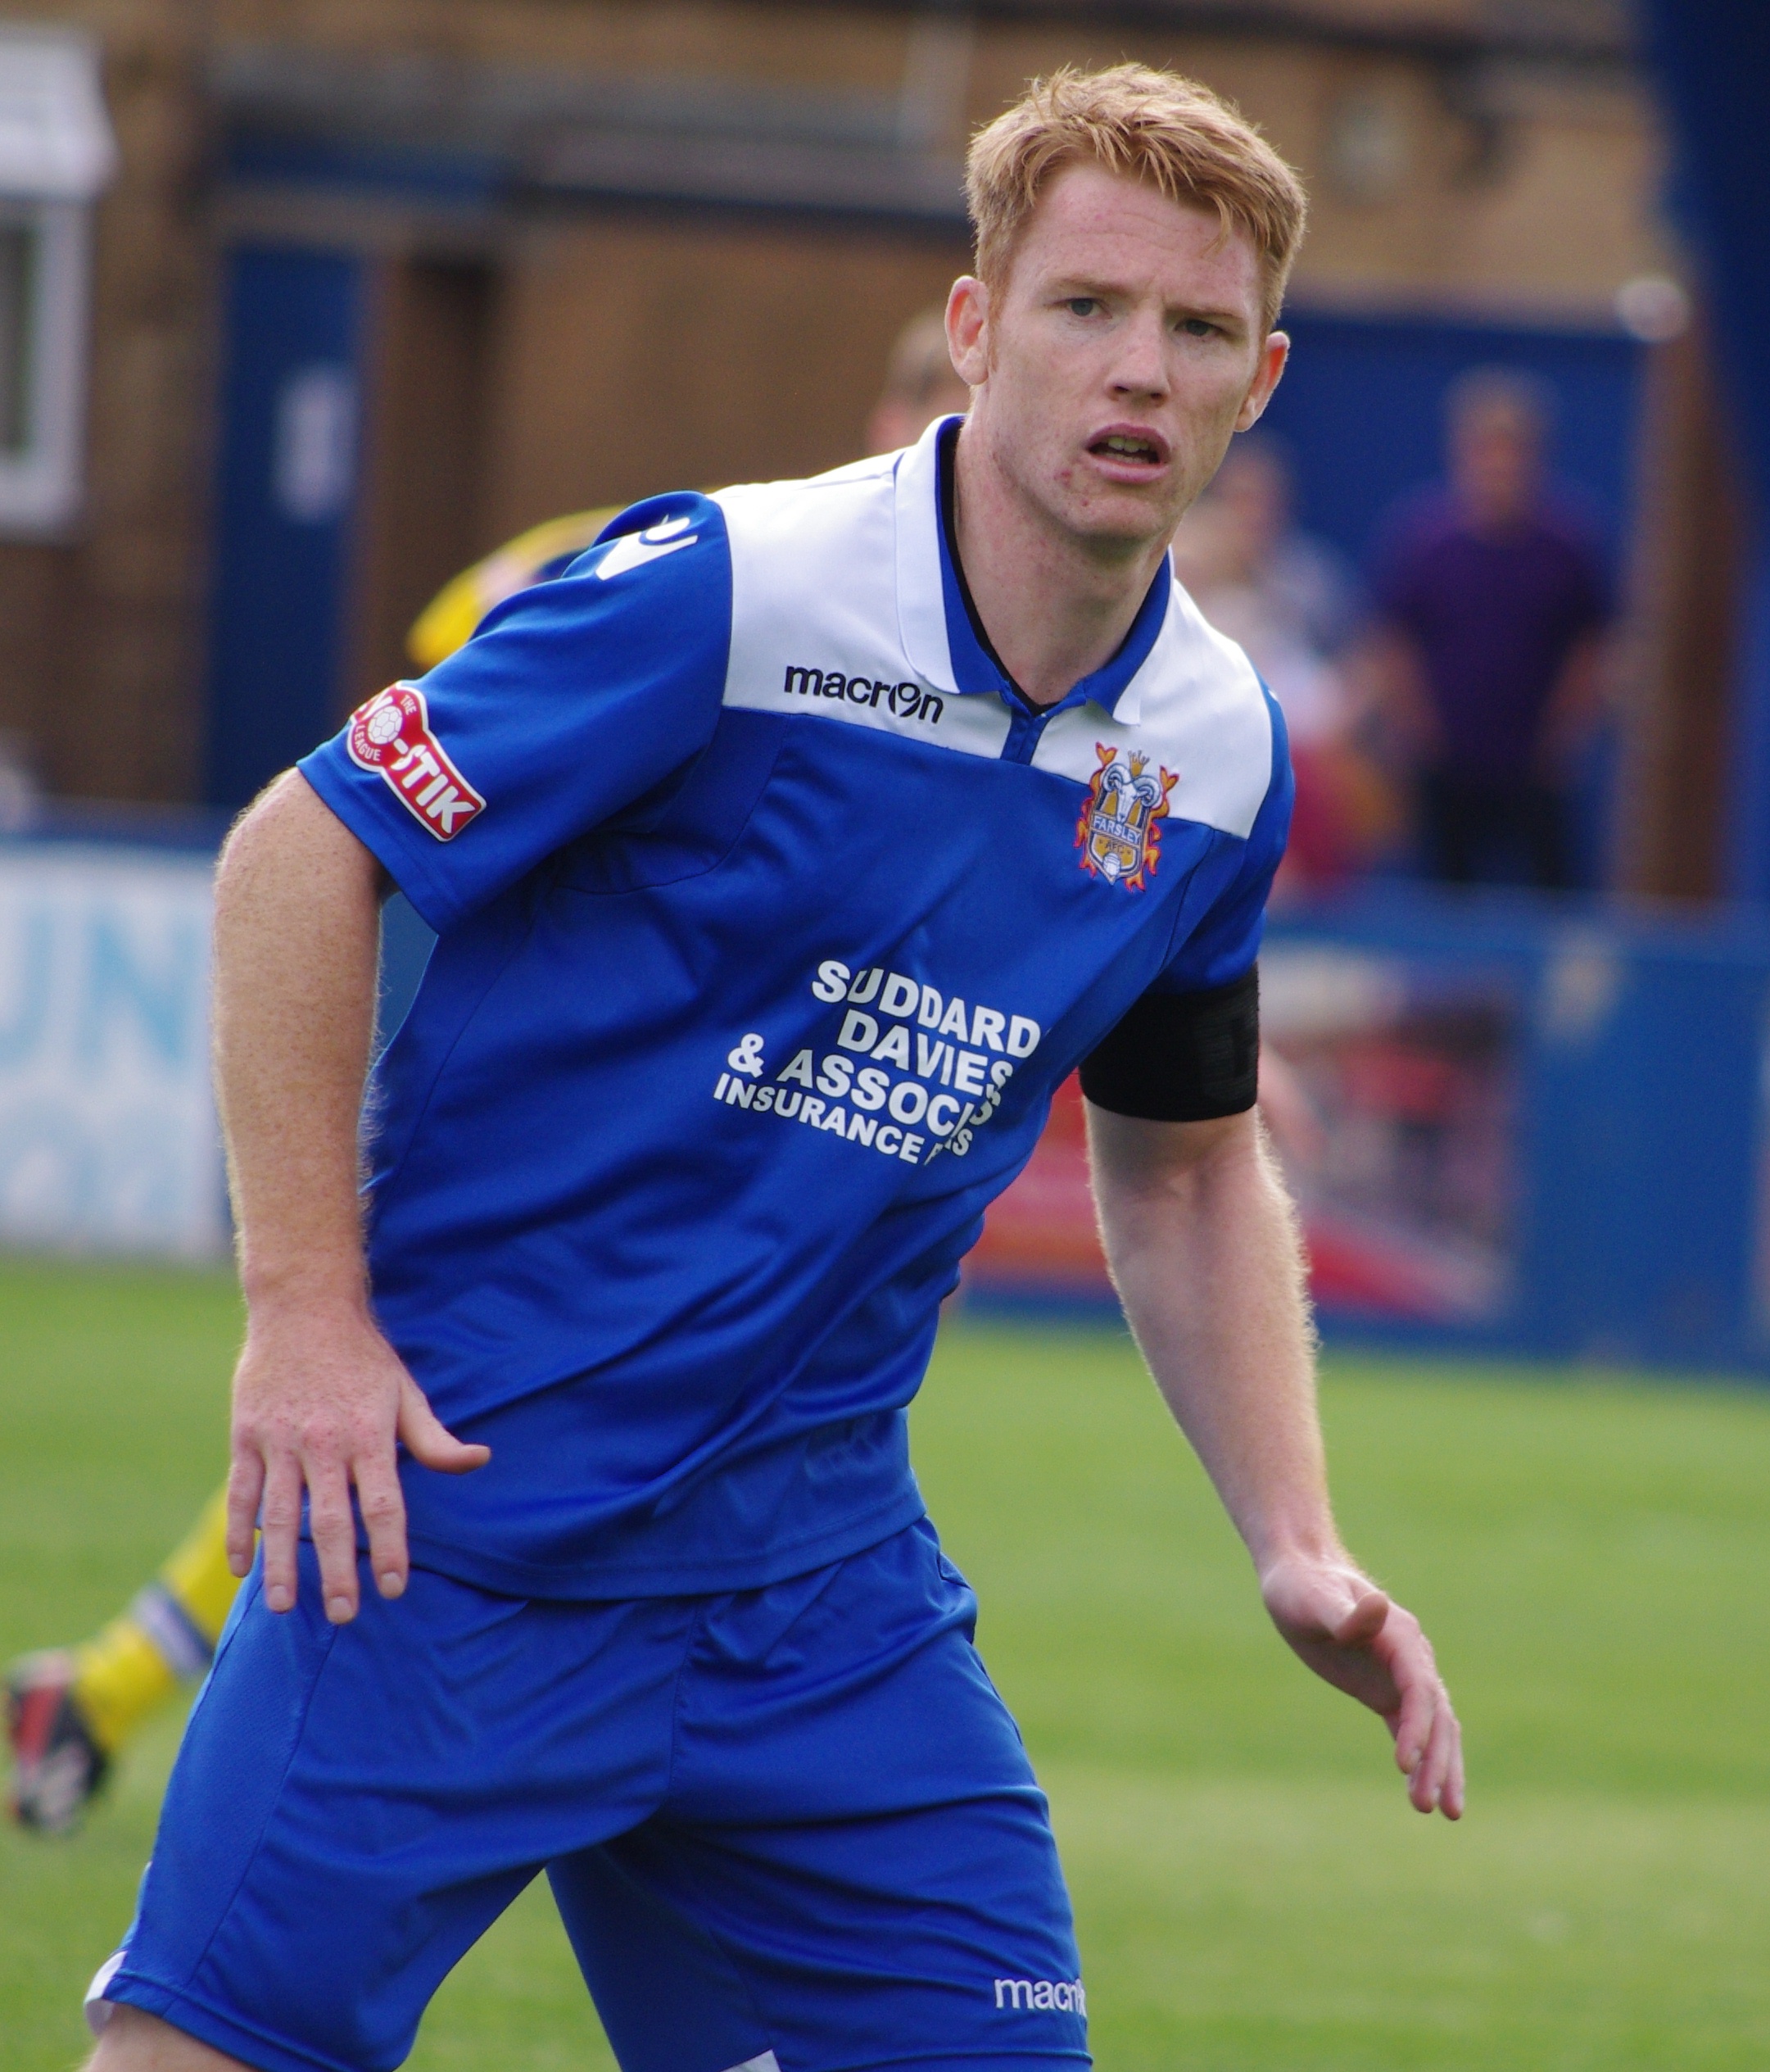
(921, 594)
(921, 597)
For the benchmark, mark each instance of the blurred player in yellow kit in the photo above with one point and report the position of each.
(69, 1711)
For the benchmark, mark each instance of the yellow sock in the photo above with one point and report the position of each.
(197, 1577)
(167, 1636)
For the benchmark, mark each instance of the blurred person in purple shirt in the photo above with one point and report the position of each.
(1493, 600)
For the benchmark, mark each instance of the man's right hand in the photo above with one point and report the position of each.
(321, 1402)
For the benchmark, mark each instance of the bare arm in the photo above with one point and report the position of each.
(1203, 1247)
(319, 1396)
(1390, 672)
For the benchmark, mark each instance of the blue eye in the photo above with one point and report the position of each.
(1082, 305)
(1196, 327)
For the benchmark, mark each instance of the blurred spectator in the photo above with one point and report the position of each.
(920, 385)
(1493, 600)
(1292, 603)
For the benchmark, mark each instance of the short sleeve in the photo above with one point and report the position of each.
(574, 698)
(1189, 1049)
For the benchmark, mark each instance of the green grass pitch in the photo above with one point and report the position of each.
(1254, 1894)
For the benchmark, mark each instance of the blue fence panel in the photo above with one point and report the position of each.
(1361, 409)
(289, 477)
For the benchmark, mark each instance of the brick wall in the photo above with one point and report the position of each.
(626, 350)
(98, 660)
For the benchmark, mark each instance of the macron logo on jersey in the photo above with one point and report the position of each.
(634, 550)
(392, 733)
(906, 701)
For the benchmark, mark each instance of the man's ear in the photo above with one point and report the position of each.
(968, 329)
(1273, 355)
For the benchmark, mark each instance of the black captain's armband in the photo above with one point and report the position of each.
(1182, 1056)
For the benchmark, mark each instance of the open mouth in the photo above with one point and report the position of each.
(1129, 448)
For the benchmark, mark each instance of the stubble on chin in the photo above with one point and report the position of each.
(1110, 525)
(1117, 523)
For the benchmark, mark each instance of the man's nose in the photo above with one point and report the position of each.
(1141, 367)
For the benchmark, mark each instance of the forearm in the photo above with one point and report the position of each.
(297, 916)
(1205, 1253)
(1573, 707)
(320, 1399)
(1394, 670)
(1204, 1249)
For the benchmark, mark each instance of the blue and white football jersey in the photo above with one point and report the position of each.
(769, 915)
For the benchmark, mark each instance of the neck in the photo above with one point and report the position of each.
(1057, 606)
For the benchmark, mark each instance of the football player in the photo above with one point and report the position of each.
(783, 857)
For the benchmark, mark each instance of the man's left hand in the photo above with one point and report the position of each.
(1360, 1640)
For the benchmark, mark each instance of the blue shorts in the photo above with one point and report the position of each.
(789, 1827)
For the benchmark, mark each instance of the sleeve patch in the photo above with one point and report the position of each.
(392, 734)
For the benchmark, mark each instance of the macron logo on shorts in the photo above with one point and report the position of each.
(392, 733)
(1066, 1994)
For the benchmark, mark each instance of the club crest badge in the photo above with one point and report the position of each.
(392, 734)
(1120, 831)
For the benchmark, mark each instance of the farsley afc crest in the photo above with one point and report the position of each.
(1120, 830)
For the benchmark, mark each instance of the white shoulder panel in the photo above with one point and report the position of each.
(1196, 709)
(874, 466)
(815, 627)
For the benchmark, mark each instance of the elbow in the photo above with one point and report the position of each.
(1144, 1162)
(1157, 1178)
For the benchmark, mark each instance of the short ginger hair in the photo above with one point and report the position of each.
(1191, 144)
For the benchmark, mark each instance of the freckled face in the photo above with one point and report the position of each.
(1123, 349)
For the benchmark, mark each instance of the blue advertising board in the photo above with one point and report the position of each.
(1514, 1123)
(1534, 1125)
(108, 1139)
(1554, 1109)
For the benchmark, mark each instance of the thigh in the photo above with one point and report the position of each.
(353, 1806)
(855, 1864)
(671, 1997)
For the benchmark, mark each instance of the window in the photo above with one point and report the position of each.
(56, 153)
